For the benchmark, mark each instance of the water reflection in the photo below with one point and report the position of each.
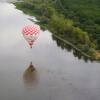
(69, 48)
(30, 75)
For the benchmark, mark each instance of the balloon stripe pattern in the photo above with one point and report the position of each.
(31, 33)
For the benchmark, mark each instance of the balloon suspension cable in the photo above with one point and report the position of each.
(31, 63)
(30, 54)
(31, 46)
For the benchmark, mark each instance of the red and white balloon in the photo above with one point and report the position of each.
(31, 33)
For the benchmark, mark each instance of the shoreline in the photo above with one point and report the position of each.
(60, 38)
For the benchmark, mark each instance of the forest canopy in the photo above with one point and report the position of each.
(77, 21)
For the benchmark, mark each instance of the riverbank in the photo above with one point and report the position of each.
(62, 28)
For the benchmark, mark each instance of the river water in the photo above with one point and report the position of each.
(55, 73)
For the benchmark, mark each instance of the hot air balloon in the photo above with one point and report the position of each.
(31, 33)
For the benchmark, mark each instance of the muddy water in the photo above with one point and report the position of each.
(54, 74)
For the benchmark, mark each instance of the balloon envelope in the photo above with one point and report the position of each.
(31, 33)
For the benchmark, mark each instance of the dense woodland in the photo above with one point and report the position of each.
(77, 21)
(85, 14)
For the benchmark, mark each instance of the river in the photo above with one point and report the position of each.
(56, 73)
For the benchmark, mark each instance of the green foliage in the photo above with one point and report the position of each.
(81, 35)
(86, 15)
(60, 24)
(77, 21)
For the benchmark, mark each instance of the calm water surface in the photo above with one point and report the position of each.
(55, 74)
